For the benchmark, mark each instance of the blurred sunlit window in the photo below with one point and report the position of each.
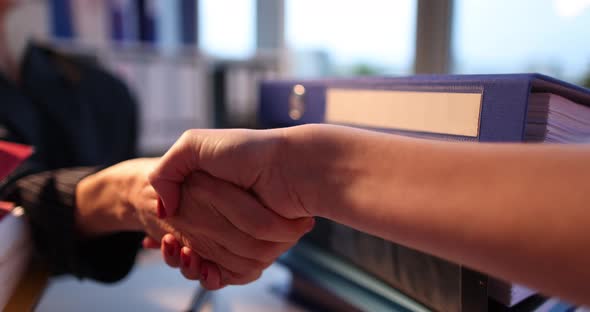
(506, 36)
(227, 27)
(343, 37)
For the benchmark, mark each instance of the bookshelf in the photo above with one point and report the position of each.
(152, 45)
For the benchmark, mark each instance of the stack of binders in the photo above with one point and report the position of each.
(478, 108)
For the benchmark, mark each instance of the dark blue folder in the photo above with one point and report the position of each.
(503, 109)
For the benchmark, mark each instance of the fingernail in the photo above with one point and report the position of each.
(204, 273)
(161, 211)
(185, 258)
(169, 245)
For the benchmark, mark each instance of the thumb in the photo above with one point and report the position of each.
(171, 171)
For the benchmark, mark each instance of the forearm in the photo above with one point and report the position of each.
(49, 200)
(514, 211)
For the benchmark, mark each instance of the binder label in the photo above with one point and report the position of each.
(431, 112)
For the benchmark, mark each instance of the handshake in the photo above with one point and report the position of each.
(218, 203)
(224, 204)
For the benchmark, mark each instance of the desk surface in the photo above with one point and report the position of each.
(152, 286)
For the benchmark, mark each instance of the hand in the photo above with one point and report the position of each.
(120, 198)
(109, 200)
(249, 159)
(211, 221)
(191, 265)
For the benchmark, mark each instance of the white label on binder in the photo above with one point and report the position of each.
(432, 112)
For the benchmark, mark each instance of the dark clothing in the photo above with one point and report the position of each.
(71, 111)
(74, 114)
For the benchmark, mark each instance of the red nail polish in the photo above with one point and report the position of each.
(204, 273)
(185, 259)
(160, 210)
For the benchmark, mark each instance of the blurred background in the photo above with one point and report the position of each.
(197, 63)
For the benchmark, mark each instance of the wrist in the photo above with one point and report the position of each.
(335, 170)
(319, 167)
(102, 204)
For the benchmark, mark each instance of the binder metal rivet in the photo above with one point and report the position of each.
(296, 102)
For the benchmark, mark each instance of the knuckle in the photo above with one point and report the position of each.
(187, 135)
(153, 177)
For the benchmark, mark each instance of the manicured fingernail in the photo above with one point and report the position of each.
(204, 273)
(161, 211)
(185, 258)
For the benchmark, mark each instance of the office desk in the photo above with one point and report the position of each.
(29, 289)
(152, 286)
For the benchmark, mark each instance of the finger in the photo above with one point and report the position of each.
(199, 213)
(160, 210)
(170, 172)
(221, 153)
(190, 264)
(210, 276)
(212, 251)
(150, 243)
(171, 250)
(244, 211)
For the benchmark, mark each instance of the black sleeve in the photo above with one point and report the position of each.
(49, 202)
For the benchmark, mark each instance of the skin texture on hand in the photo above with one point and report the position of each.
(222, 227)
(249, 159)
(253, 198)
(108, 201)
(209, 221)
(515, 211)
